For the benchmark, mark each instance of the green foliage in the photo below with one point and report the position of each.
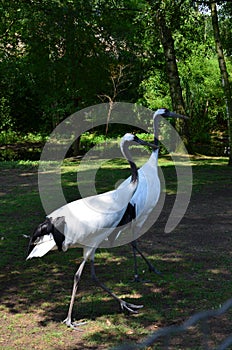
(7, 137)
(203, 94)
(15, 146)
(199, 75)
(225, 13)
(60, 56)
(155, 91)
(5, 117)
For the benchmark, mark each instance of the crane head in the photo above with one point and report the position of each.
(131, 137)
(164, 112)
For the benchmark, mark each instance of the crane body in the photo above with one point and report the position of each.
(146, 195)
(86, 223)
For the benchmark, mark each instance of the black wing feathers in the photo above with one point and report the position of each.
(54, 226)
(129, 215)
(58, 231)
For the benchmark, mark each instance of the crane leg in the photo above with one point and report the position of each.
(136, 274)
(77, 276)
(150, 266)
(123, 304)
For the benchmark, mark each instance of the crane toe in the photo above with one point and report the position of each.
(153, 269)
(130, 307)
(74, 325)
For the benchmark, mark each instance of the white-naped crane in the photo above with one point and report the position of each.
(146, 195)
(86, 223)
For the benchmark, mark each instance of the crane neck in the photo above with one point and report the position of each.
(156, 125)
(134, 171)
(127, 155)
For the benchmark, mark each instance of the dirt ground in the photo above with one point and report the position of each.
(204, 235)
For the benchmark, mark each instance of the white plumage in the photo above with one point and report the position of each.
(147, 193)
(86, 223)
(42, 246)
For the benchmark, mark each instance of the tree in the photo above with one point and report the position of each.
(224, 73)
(172, 73)
(57, 57)
(159, 10)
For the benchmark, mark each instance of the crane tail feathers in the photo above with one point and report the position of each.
(46, 236)
(45, 244)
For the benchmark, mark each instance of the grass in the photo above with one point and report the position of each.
(35, 294)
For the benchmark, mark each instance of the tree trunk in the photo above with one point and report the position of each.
(172, 73)
(224, 74)
(76, 146)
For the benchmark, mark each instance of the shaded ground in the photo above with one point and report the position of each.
(195, 260)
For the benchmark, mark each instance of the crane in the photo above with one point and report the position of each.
(146, 195)
(86, 223)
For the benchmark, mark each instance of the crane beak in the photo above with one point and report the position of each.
(145, 143)
(176, 115)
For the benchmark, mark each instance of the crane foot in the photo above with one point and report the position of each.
(74, 325)
(130, 307)
(153, 269)
(138, 279)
